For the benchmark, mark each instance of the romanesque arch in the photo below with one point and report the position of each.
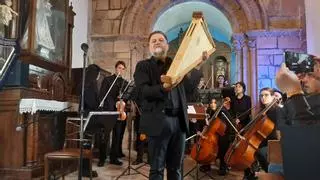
(139, 16)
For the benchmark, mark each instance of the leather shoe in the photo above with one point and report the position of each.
(121, 155)
(205, 168)
(100, 163)
(137, 161)
(87, 174)
(250, 177)
(222, 172)
(116, 162)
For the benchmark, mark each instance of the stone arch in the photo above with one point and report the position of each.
(244, 15)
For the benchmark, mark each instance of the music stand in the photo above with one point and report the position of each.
(82, 130)
(129, 167)
(196, 111)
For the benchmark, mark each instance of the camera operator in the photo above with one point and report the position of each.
(303, 91)
(299, 121)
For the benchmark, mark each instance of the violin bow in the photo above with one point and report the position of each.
(105, 96)
(259, 114)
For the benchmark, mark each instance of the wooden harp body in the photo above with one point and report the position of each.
(189, 55)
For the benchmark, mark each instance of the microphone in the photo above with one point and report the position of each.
(84, 47)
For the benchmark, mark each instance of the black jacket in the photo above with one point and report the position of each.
(113, 96)
(153, 97)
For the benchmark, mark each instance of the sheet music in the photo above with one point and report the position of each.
(191, 110)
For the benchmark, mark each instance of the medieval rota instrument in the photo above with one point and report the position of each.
(190, 53)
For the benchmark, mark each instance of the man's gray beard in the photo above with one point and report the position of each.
(159, 54)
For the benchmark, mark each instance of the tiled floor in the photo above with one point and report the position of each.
(111, 172)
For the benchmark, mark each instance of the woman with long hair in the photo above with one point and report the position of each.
(266, 96)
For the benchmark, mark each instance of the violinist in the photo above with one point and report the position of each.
(223, 141)
(267, 96)
(110, 105)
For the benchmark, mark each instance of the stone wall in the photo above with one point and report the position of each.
(263, 29)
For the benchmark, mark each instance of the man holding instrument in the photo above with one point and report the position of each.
(164, 111)
(109, 104)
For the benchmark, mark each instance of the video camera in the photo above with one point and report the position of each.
(299, 62)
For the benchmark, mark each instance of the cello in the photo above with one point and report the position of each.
(206, 148)
(240, 154)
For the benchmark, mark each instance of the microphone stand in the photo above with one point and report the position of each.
(82, 113)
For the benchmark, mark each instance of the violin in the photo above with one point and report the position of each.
(206, 149)
(120, 108)
(241, 153)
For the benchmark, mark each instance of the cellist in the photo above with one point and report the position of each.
(223, 141)
(267, 96)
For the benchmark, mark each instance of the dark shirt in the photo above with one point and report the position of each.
(154, 99)
(239, 106)
(172, 104)
(300, 109)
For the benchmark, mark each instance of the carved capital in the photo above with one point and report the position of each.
(252, 43)
(238, 41)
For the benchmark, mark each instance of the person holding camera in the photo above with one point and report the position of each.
(299, 120)
(302, 90)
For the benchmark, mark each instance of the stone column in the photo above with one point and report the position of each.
(246, 66)
(237, 44)
(253, 78)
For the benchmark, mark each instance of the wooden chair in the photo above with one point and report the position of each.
(274, 152)
(71, 149)
(274, 157)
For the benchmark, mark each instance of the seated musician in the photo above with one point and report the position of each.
(223, 141)
(281, 97)
(192, 95)
(267, 96)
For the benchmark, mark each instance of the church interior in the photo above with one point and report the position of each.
(45, 45)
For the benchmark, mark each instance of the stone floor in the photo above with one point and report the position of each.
(111, 172)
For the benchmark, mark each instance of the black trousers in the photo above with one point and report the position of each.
(117, 138)
(167, 150)
(223, 143)
(101, 142)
